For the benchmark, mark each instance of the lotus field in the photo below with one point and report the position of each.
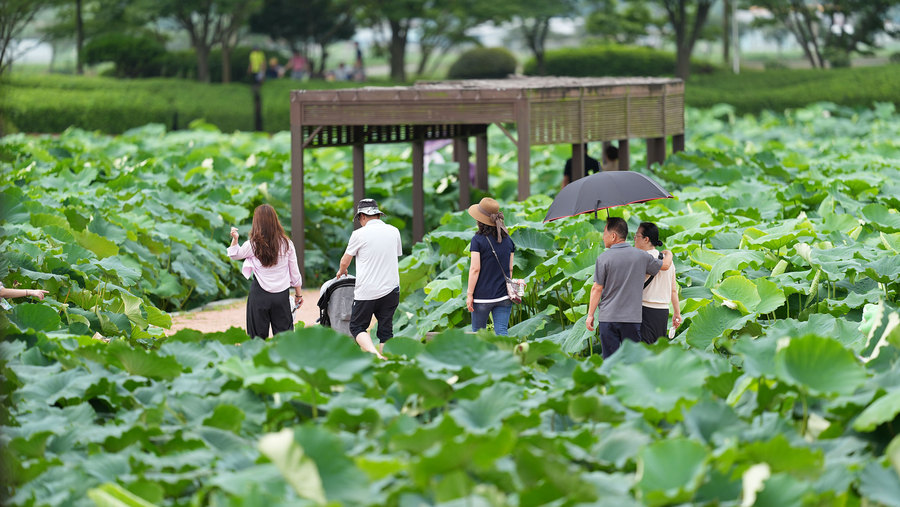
(781, 388)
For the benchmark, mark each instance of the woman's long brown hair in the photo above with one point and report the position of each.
(267, 236)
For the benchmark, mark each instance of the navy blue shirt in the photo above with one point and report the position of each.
(491, 280)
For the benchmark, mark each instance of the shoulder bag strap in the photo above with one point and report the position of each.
(498, 258)
(647, 281)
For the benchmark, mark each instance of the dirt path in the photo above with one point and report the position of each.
(222, 315)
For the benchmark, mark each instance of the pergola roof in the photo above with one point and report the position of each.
(560, 109)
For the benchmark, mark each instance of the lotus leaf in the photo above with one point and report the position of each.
(671, 471)
(820, 366)
(660, 382)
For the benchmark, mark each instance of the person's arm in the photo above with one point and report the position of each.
(22, 293)
(596, 292)
(294, 271)
(667, 260)
(676, 306)
(565, 181)
(345, 263)
(511, 255)
(238, 252)
(474, 271)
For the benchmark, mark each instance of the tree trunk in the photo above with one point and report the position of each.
(726, 33)
(398, 51)
(683, 62)
(226, 64)
(79, 38)
(426, 52)
(202, 63)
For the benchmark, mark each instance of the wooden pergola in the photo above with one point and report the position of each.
(544, 110)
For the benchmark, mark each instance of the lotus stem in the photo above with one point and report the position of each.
(803, 427)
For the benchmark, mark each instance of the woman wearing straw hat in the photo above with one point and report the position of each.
(491, 264)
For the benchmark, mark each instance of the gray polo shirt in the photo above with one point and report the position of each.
(620, 269)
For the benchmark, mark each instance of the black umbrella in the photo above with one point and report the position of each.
(602, 191)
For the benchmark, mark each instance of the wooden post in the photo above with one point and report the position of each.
(677, 143)
(461, 154)
(523, 128)
(359, 172)
(481, 161)
(418, 190)
(298, 229)
(656, 150)
(624, 155)
(578, 161)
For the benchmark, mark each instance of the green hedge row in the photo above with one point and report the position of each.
(600, 61)
(53, 103)
(777, 90)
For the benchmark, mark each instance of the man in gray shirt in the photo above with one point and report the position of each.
(619, 277)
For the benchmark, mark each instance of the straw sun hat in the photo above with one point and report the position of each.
(483, 211)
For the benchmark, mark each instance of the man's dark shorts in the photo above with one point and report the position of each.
(612, 334)
(382, 308)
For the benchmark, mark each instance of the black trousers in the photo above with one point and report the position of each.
(612, 334)
(382, 308)
(653, 323)
(265, 308)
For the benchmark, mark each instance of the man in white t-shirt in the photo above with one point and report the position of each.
(376, 246)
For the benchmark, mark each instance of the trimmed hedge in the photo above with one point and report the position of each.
(483, 63)
(600, 61)
(53, 103)
(777, 90)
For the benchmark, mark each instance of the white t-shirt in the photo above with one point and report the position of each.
(376, 247)
(659, 293)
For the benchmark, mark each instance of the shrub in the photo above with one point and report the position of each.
(483, 63)
(133, 56)
(837, 58)
(895, 57)
(774, 65)
(598, 61)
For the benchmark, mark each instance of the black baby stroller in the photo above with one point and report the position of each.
(336, 303)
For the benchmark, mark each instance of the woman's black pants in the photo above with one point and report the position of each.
(265, 308)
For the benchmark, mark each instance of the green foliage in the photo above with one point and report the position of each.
(611, 60)
(133, 55)
(483, 63)
(113, 106)
(780, 388)
(781, 89)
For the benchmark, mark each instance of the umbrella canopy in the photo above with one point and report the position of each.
(604, 190)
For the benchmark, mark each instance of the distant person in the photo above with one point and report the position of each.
(257, 66)
(18, 293)
(298, 66)
(376, 247)
(590, 166)
(611, 158)
(342, 73)
(490, 264)
(270, 259)
(274, 70)
(618, 284)
(359, 67)
(659, 290)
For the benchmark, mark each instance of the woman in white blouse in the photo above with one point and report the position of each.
(269, 257)
(659, 292)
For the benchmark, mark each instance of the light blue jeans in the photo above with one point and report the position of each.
(500, 312)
